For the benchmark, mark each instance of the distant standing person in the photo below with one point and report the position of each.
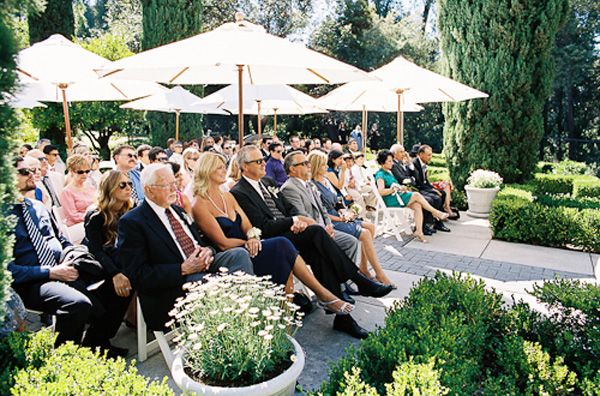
(374, 136)
(342, 134)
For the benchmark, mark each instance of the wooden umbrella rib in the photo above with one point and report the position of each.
(250, 74)
(318, 75)
(448, 95)
(28, 75)
(112, 72)
(118, 90)
(179, 74)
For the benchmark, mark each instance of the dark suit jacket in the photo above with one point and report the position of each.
(401, 171)
(421, 181)
(152, 261)
(259, 213)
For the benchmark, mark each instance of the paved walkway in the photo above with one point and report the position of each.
(508, 268)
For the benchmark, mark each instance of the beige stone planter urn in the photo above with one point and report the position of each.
(480, 200)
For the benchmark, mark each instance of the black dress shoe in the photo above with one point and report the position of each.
(427, 231)
(349, 326)
(369, 288)
(351, 291)
(115, 352)
(347, 298)
(441, 227)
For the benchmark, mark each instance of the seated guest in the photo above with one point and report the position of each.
(157, 154)
(125, 158)
(39, 279)
(225, 224)
(353, 146)
(182, 199)
(51, 182)
(344, 221)
(275, 216)
(363, 182)
(274, 167)
(25, 149)
(327, 144)
(161, 249)
(77, 196)
(336, 175)
(351, 187)
(207, 142)
(190, 157)
(233, 175)
(169, 149)
(316, 143)
(177, 156)
(143, 159)
(113, 200)
(424, 155)
(40, 193)
(396, 195)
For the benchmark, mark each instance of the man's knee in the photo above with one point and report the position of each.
(236, 259)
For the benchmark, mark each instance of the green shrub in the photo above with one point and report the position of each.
(568, 167)
(72, 370)
(566, 200)
(586, 188)
(437, 174)
(438, 160)
(459, 199)
(552, 184)
(545, 167)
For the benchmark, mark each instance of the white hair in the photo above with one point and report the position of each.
(243, 156)
(396, 147)
(148, 176)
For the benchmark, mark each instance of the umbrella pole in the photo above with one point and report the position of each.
(364, 129)
(241, 105)
(258, 102)
(274, 122)
(63, 88)
(177, 125)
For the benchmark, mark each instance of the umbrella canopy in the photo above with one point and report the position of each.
(17, 102)
(269, 99)
(58, 70)
(238, 52)
(176, 100)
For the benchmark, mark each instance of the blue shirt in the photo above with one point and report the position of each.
(358, 137)
(25, 266)
(134, 176)
(274, 169)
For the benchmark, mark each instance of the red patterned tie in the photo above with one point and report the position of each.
(187, 244)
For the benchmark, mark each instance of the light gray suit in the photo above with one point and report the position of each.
(294, 190)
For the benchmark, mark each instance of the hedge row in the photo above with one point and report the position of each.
(469, 343)
(517, 217)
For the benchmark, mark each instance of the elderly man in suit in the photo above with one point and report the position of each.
(268, 210)
(161, 247)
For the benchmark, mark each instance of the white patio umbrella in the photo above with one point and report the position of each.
(176, 100)
(24, 103)
(365, 96)
(238, 52)
(415, 84)
(268, 99)
(58, 70)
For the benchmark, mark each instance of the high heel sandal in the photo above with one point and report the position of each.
(342, 311)
(441, 216)
(421, 237)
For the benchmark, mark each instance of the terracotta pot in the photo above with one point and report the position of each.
(282, 385)
(480, 200)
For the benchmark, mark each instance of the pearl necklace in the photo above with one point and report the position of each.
(215, 205)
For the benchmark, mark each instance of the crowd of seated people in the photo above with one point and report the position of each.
(163, 217)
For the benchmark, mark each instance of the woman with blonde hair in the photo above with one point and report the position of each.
(225, 224)
(77, 196)
(113, 200)
(233, 174)
(345, 220)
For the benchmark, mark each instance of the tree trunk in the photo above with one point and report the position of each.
(426, 11)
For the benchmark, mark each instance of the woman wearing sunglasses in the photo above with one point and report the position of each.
(77, 196)
(113, 200)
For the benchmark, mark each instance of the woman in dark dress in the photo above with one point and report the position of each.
(112, 202)
(224, 223)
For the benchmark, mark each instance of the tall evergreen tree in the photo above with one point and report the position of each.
(57, 18)
(166, 21)
(502, 47)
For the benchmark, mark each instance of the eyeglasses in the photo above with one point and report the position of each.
(42, 159)
(122, 185)
(162, 159)
(171, 184)
(134, 156)
(278, 151)
(54, 154)
(303, 163)
(81, 172)
(226, 148)
(25, 171)
(257, 161)
(194, 158)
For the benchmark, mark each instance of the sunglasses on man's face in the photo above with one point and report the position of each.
(257, 161)
(25, 171)
(42, 159)
(304, 163)
(123, 184)
(226, 148)
(134, 156)
(81, 172)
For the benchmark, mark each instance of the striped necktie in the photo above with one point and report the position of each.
(48, 184)
(270, 202)
(42, 249)
(186, 243)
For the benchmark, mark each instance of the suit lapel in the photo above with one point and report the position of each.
(256, 197)
(155, 225)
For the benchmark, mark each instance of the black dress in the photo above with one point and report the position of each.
(276, 258)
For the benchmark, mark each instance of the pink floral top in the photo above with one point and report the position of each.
(75, 203)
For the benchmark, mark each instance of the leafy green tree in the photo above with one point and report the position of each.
(58, 18)
(502, 47)
(166, 21)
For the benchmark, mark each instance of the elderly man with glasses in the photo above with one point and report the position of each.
(126, 159)
(161, 248)
(274, 166)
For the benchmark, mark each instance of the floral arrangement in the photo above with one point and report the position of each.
(254, 233)
(481, 178)
(356, 209)
(234, 328)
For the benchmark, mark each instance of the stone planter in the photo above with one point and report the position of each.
(480, 200)
(282, 385)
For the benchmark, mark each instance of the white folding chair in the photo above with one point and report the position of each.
(161, 340)
(74, 233)
(389, 219)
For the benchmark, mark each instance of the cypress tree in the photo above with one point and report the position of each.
(166, 21)
(56, 18)
(502, 47)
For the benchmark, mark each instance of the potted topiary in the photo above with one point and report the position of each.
(235, 338)
(482, 187)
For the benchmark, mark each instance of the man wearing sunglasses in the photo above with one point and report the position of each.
(268, 210)
(274, 166)
(126, 159)
(157, 154)
(41, 281)
(51, 183)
